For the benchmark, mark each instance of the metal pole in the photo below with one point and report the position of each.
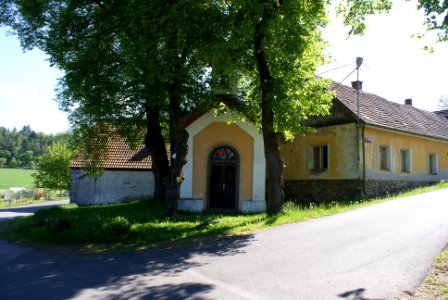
(360, 138)
(358, 64)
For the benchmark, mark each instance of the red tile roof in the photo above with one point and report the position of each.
(119, 155)
(377, 111)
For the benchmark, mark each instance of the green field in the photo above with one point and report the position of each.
(15, 178)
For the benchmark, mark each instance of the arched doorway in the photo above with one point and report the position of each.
(223, 173)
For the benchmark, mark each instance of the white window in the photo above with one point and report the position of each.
(385, 158)
(318, 158)
(433, 164)
(406, 160)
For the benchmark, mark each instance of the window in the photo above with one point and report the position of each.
(433, 164)
(223, 153)
(384, 158)
(319, 157)
(406, 160)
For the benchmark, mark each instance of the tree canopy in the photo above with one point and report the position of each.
(22, 148)
(138, 66)
(127, 64)
(53, 168)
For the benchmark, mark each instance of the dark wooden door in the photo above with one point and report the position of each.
(222, 186)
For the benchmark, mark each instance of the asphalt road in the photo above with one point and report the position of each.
(376, 252)
(20, 211)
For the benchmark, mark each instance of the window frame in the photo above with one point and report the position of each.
(323, 161)
(433, 163)
(405, 160)
(387, 158)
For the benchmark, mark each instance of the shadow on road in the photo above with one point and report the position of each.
(358, 294)
(20, 211)
(33, 208)
(48, 275)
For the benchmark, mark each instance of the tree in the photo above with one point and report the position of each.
(436, 13)
(144, 62)
(128, 65)
(23, 148)
(275, 47)
(53, 168)
(355, 12)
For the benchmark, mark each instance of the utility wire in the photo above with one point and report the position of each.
(347, 76)
(337, 68)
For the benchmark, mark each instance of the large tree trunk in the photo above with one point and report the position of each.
(156, 145)
(179, 150)
(178, 135)
(274, 163)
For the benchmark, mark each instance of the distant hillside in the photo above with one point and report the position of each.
(22, 148)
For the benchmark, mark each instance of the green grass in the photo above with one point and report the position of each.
(15, 178)
(432, 281)
(140, 224)
(444, 292)
(438, 278)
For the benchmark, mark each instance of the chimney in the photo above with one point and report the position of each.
(357, 84)
(408, 102)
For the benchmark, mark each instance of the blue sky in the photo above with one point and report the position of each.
(395, 67)
(27, 86)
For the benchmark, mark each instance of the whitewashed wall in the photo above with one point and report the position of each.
(113, 186)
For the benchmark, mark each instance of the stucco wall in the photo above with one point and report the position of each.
(344, 174)
(220, 133)
(342, 154)
(112, 187)
(420, 147)
(211, 130)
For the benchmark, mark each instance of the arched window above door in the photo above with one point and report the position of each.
(223, 153)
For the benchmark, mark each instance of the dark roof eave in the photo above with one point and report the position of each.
(116, 169)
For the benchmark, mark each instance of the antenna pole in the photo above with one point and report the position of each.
(358, 64)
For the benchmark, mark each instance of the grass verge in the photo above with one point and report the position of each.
(16, 178)
(139, 224)
(435, 285)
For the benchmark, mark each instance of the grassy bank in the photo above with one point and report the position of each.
(139, 224)
(435, 285)
(15, 178)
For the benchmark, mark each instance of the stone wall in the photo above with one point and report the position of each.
(318, 191)
(305, 191)
(378, 188)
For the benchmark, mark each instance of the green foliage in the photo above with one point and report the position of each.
(355, 12)
(436, 13)
(53, 168)
(293, 49)
(121, 60)
(118, 57)
(116, 226)
(21, 149)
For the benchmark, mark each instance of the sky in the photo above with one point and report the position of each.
(394, 67)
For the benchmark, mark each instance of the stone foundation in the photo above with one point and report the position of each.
(305, 191)
(378, 188)
(318, 191)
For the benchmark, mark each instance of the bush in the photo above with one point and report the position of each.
(117, 226)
